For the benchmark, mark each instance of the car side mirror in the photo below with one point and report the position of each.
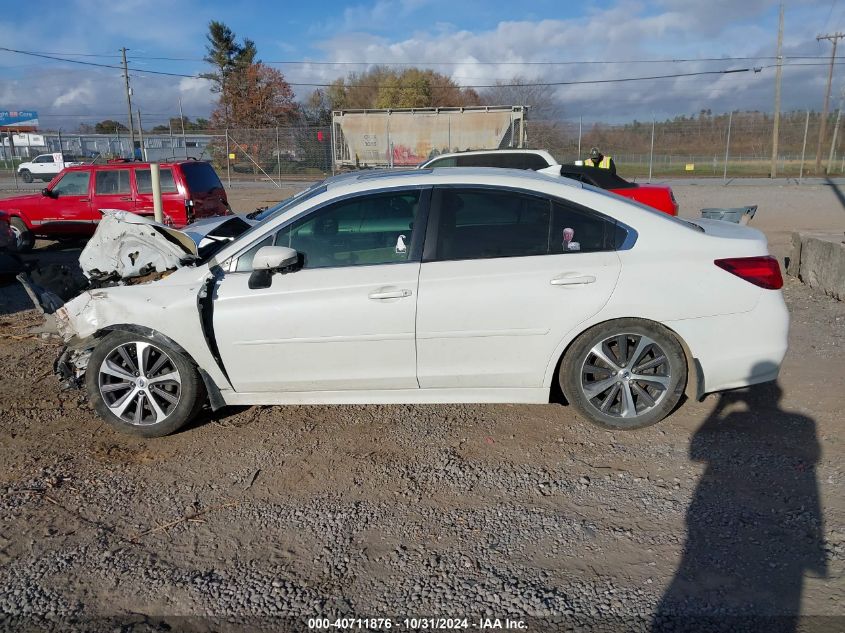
(269, 260)
(46, 191)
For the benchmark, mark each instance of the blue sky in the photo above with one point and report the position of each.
(449, 36)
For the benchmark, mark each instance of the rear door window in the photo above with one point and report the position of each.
(201, 177)
(143, 180)
(112, 181)
(444, 162)
(507, 160)
(482, 160)
(480, 224)
(486, 223)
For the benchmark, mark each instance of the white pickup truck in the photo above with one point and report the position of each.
(46, 166)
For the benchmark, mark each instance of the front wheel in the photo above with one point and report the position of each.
(24, 239)
(142, 387)
(624, 374)
(26, 175)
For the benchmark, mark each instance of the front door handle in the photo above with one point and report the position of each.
(125, 199)
(569, 279)
(389, 293)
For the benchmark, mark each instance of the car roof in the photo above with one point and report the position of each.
(542, 153)
(377, 179)
(130, 163)
(509, 150)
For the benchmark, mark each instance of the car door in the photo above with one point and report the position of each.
(68, 207)
(172, 202)
(505, 275)
(345, 320)
(113, 190)
(44, 166)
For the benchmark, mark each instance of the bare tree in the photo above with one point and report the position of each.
(542, 100)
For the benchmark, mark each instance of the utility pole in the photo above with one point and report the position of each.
(182, 121)
(804, 147)
(141, 137)
(834, 38)
(778, 75)
(129, 105)
(835, 131)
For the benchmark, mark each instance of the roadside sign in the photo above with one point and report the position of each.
(689, 167)
(18, 119)
(232, 156)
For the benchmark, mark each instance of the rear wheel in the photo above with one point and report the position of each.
(624, 374)
(26, 175)
(24, 239)
(142, 387)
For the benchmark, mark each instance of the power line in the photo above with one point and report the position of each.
(326, 85)
(306, 62)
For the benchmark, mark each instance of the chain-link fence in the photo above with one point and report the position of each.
(273, 154)
(722, 146)
(728, 145)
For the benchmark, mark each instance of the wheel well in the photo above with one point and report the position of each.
(694, 388)
(215, 398)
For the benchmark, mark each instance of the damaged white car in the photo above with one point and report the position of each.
(455, 285)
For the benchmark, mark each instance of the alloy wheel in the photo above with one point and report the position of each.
(625, 375)
(16, 232)
(139, 383)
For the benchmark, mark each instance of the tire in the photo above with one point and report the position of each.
(142, 404)
(597, 377)
(24, 238)
(26, 175)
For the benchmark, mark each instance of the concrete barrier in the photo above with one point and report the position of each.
(818, 259)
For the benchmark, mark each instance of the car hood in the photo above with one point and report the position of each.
(15, 201)
(126, 245)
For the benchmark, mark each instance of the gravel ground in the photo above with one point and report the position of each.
(730, 511)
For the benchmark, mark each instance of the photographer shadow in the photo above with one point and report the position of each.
(754, 525)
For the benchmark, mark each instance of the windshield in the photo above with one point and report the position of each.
(266, 213)
(259, 216)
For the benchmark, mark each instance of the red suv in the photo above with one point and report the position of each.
(70, 205)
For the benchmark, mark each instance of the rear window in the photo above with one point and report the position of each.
(201, 177)
(145, 183)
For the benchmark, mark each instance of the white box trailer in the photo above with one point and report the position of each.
(407, 137)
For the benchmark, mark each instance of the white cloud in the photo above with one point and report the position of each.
(77, 95)
(432, 32)
(625, 31)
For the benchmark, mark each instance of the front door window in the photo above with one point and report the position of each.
(73, 183)
(366, 230)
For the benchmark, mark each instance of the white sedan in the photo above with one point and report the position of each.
(436, 286)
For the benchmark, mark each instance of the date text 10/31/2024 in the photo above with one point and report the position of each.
(417, 624)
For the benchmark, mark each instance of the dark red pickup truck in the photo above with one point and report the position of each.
(70, 205)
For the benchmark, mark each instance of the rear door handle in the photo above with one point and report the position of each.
(126, 199)
(568, 279)
(389, 293)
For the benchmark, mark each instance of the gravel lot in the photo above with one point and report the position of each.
(730, 511)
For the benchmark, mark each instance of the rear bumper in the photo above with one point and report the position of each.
(738, 350)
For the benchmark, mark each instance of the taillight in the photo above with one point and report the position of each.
(760, 271)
